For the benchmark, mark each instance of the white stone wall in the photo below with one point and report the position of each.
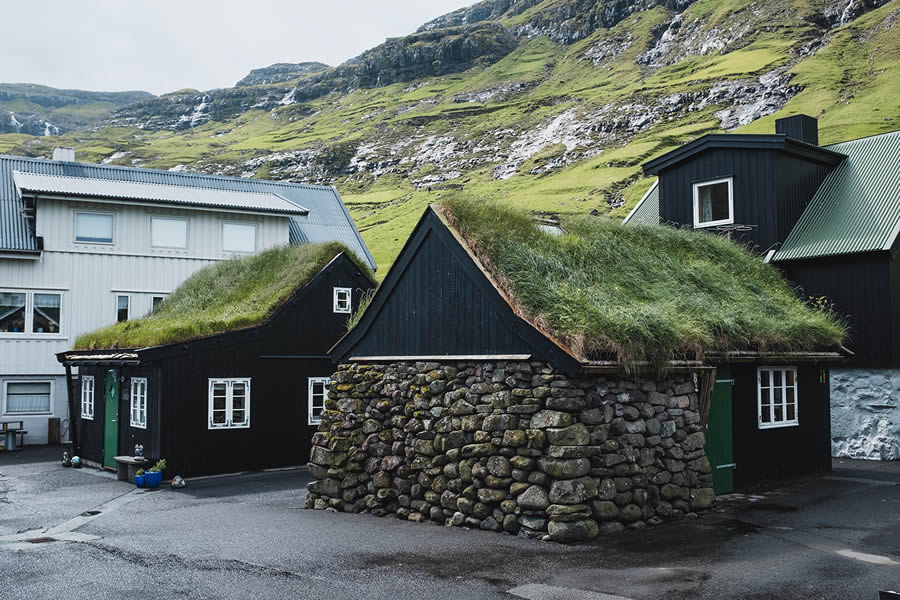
(865, 413)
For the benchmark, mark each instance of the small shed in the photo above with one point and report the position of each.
(507, 378)
(228, 374)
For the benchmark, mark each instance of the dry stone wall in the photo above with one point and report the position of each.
(510, 446)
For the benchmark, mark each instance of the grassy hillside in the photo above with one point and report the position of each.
(558, 127)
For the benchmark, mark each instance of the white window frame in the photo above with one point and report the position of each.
(29, 314)
(116, 296)
(696, 189)
(310, 419)
(6, 412)
(229, 407)
(138, 410)
(154, 297)
(772, 424)
(187, 231)
(93, 212)
(255, 227)
(87, 397)
(337, 292)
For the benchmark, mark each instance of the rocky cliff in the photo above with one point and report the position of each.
(42, 111)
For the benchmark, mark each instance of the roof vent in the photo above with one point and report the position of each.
(802, 128)
(64, 154)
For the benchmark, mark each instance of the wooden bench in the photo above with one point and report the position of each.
(127, 467)
(9, 433)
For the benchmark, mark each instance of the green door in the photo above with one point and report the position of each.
(719, 448)
(111, 419)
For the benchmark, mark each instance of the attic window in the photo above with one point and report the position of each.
(777, 397)
(713, 203)
(342, 300)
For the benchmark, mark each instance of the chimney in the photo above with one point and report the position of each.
(802, 128)
(63, 154)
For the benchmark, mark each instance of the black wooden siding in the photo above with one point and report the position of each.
(771, 189)
(796, 182)
(437, 308)
(753, 185)
(768, 454)
(864, 289)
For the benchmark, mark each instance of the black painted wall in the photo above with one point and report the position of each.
(768, 454)
(864, 288)
(438, 308)
(771, 189)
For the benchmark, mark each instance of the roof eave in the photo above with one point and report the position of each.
(741, 141)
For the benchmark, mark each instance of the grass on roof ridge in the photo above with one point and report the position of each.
(230, 295)
(639, 292)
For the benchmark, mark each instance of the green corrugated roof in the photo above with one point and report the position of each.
(646, 212)
(857, 207)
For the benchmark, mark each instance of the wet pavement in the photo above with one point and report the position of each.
(73, 534)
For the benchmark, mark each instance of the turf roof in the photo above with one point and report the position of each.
(227, 296)
(638, 293)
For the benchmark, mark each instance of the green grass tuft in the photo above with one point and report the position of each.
(231, 295)
(639, 293)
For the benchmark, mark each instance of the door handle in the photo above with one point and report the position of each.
(728, 466)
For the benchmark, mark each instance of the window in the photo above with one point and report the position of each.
(168, 232)
(139, 402)
(45, 313)
(229, 403)
(157, 300)
(87, 397)
(122, 303)
(239, 237)
(713, 203)
(28, 397)
(777, 390)
(30, 312)
(342, 300)
(318, 392)
(93, 228)
(12, 312)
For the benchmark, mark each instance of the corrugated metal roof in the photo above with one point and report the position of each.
(88, 187)
(857, 207)
(646, 212)
(328, 218)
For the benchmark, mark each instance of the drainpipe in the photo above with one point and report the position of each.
(73, 429)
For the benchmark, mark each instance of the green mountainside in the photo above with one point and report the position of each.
(551, 104)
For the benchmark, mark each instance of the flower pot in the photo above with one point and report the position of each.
(139, 480)
(153, 479)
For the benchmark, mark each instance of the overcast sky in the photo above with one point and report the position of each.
(164, 45)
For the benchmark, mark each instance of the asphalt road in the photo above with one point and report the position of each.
(248, 536)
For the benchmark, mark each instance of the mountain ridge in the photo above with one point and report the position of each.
(552, 104)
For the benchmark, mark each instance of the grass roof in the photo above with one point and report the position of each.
(230, 295)
(643, 292)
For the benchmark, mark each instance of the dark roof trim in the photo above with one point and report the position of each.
(439, 358)
(747, 356)
(744, 142)
(433, 221)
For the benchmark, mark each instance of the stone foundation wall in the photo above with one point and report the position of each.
(865, 413)
(514, 447)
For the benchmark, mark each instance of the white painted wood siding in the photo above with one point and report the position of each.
(90, 276)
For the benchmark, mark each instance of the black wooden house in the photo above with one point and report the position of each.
(828, 217)
(440, 302)
(245, 398)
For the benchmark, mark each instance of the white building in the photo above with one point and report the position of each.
(83, 246)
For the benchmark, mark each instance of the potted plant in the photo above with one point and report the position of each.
(153, 476)
(139, 478)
